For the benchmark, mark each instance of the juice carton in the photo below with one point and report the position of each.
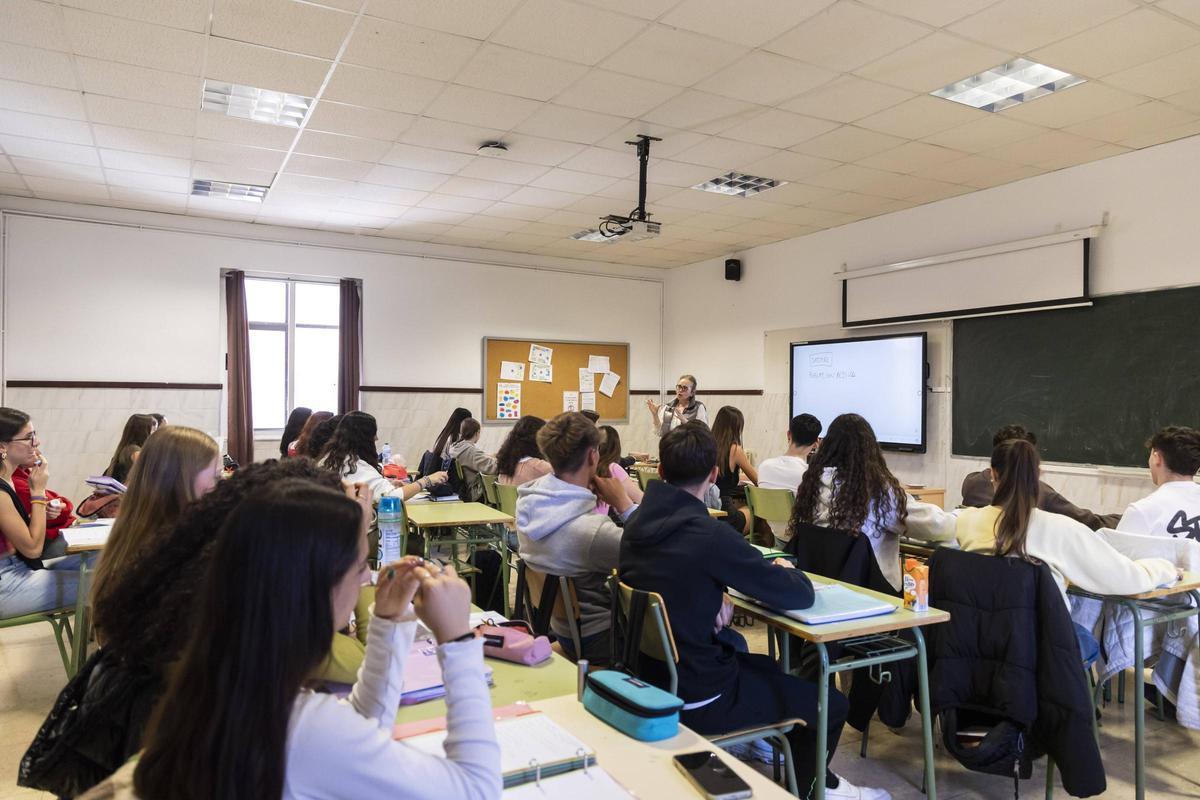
(916, 585)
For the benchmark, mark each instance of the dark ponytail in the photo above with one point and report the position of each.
(1015, 464)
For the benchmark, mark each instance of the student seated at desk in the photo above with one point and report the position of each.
(450, 433)
(26, 584)
(978, 487)
(306, 433)
(610, 457)
(352, 454)
(473, 461)
(519, 460)
(25, 454)
(291, 431)
(787, 470)
(732, 461)
(177, 465)
(1014, 526)
(559, 533)
(848, 486)
(672, 546)
(1173, 509)
(236, 721)
(137, 430)
(318, 437)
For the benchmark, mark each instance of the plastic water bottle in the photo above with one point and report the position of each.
(386, 455)
(390, 520)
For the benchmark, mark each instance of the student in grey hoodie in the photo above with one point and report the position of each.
(472, 460)
(559, 532)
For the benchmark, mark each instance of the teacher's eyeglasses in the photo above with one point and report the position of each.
(683, 386)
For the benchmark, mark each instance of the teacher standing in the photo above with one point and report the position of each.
(684, 407)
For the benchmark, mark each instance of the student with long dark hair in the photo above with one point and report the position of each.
(610, 467)
(291, 431)
(1013, 525)
(848, 486)
(137, 430)
(25, 585)
(732, 461)
(519, 460)
(319, 437)
(352, 454)
(450, 433)
(305, 435)
(236, 722)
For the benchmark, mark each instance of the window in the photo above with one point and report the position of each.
(293, 348)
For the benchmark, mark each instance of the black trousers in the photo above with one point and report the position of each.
(764, 695)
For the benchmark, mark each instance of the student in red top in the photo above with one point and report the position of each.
(58, 508)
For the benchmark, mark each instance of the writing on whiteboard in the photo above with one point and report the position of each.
(820, 360)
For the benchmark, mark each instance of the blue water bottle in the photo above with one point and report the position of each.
(391, 519)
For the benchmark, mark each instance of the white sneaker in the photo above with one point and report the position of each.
(848, 791)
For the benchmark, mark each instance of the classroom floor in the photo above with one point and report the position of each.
(31, 677)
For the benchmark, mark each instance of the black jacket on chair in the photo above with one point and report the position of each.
(848, 556)
(1010, 647)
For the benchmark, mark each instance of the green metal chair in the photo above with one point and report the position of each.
(490, 495)
(773, 505)
(60, 621)
(506, 496)
(654, 639)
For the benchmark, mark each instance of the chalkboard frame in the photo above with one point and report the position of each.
(899, 447)
(1012, 308)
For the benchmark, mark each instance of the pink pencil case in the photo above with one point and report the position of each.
(513, 641)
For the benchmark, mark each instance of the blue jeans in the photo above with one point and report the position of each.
(1089, 648)
(27, 591)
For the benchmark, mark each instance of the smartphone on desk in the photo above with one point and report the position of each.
(715, 779)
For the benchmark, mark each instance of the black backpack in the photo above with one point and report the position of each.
(431, 463)
(999, 746)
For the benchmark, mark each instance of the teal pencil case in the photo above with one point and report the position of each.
(632, 706)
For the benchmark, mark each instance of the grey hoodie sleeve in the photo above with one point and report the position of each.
(480, 461)
(605, 550)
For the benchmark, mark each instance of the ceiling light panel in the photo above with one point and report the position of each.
(252, 103)
(1007, 85)
(738, 185)
(229, 191)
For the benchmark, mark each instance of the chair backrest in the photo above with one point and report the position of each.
(773, 505)
(506, 495)
(642, 618)
(556, 600)
(647, 475)
(489, 490)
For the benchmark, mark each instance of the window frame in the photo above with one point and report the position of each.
(288, 327)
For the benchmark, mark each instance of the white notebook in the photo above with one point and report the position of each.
(594, 784)
(833, 603)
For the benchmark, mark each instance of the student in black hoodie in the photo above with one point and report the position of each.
(672, 546)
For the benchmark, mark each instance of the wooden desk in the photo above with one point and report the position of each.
(1156, 602)
(471, 525)
(450, 514)
(927, 494)
(717, 513)
(872, 634)
(646, 769)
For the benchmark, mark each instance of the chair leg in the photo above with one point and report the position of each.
(63, 650)
(1049, 778)
(1121, 688)
(789, 764)
(862, 751)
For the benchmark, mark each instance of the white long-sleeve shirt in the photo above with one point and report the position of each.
(344, 748)
(883, 527)
(1073, 552)
(373, 478)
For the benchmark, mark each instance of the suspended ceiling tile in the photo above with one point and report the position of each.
(692, 109)
(177, 184)
(332, 145)
(220, 128)
(481, 108)
(775, 128)
(848, 143)
(425, 158)
(766, 78)
(498, 169)
(257, 158)
(723, 155)
(673, 56)
(1119, 44)
(33, 23)
(613, 93)
(132, 42)
(1131, 122)
(35, 65)
(920, 117)
(63, 170)
(464, 17)
(910, 157)
(139, 83)
(515, 72)
(375, 88)
(396, 47)
(56, 189)
(602, 161)
(933, 62)
(1077, 104)
(369, 123)
(136, 141)
(191, 15)
(985, 133)
(29, 147)
(251, 65)
(517, 212)
(1162, 77)
(745, 22)
(788, 166)
(478, 189)
(937, 13)
(846, 36)
(20, 123)
(1023, 25)
(534, 150)
(140, 162)
(572, 124)
(847, 99)
(405, 178)
(282, 24)
(566, 30)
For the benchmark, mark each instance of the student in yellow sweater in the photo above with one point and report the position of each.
(1014, 526)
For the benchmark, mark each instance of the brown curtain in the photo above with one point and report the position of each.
(237, 367)
(349, 345)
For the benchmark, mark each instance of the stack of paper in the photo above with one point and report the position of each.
(833, 603)
(423, 674)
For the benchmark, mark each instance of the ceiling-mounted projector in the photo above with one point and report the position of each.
(635, 225)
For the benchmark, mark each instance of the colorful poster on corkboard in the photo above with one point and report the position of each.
(508, 401)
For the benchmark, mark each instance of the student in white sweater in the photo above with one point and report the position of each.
(1173, 509)
(351, 453)
(235, 721)
(1014, 526)
(786, 471)
(848, 486)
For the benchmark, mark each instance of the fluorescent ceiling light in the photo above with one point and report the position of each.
(1008, 84)
(230, 191)
(738, 185)
(252, 103)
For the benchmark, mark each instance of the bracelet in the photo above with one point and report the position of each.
(464, 638)
(38, 497)
(38, 502)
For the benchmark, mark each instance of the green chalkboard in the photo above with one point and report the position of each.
(1092, 382)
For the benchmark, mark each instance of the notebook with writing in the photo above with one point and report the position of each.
(423, 674)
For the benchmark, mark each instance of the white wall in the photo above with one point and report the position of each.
(95, 301)
(1150, 199)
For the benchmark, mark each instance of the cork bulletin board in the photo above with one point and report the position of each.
(544, 399)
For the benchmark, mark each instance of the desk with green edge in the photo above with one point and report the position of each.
(87, 555)
(1165, 606)
(461, 518)
(868, 642)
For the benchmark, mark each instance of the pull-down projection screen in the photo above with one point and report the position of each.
(1048, 272)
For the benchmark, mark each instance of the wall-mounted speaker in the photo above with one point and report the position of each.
(733, 269)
